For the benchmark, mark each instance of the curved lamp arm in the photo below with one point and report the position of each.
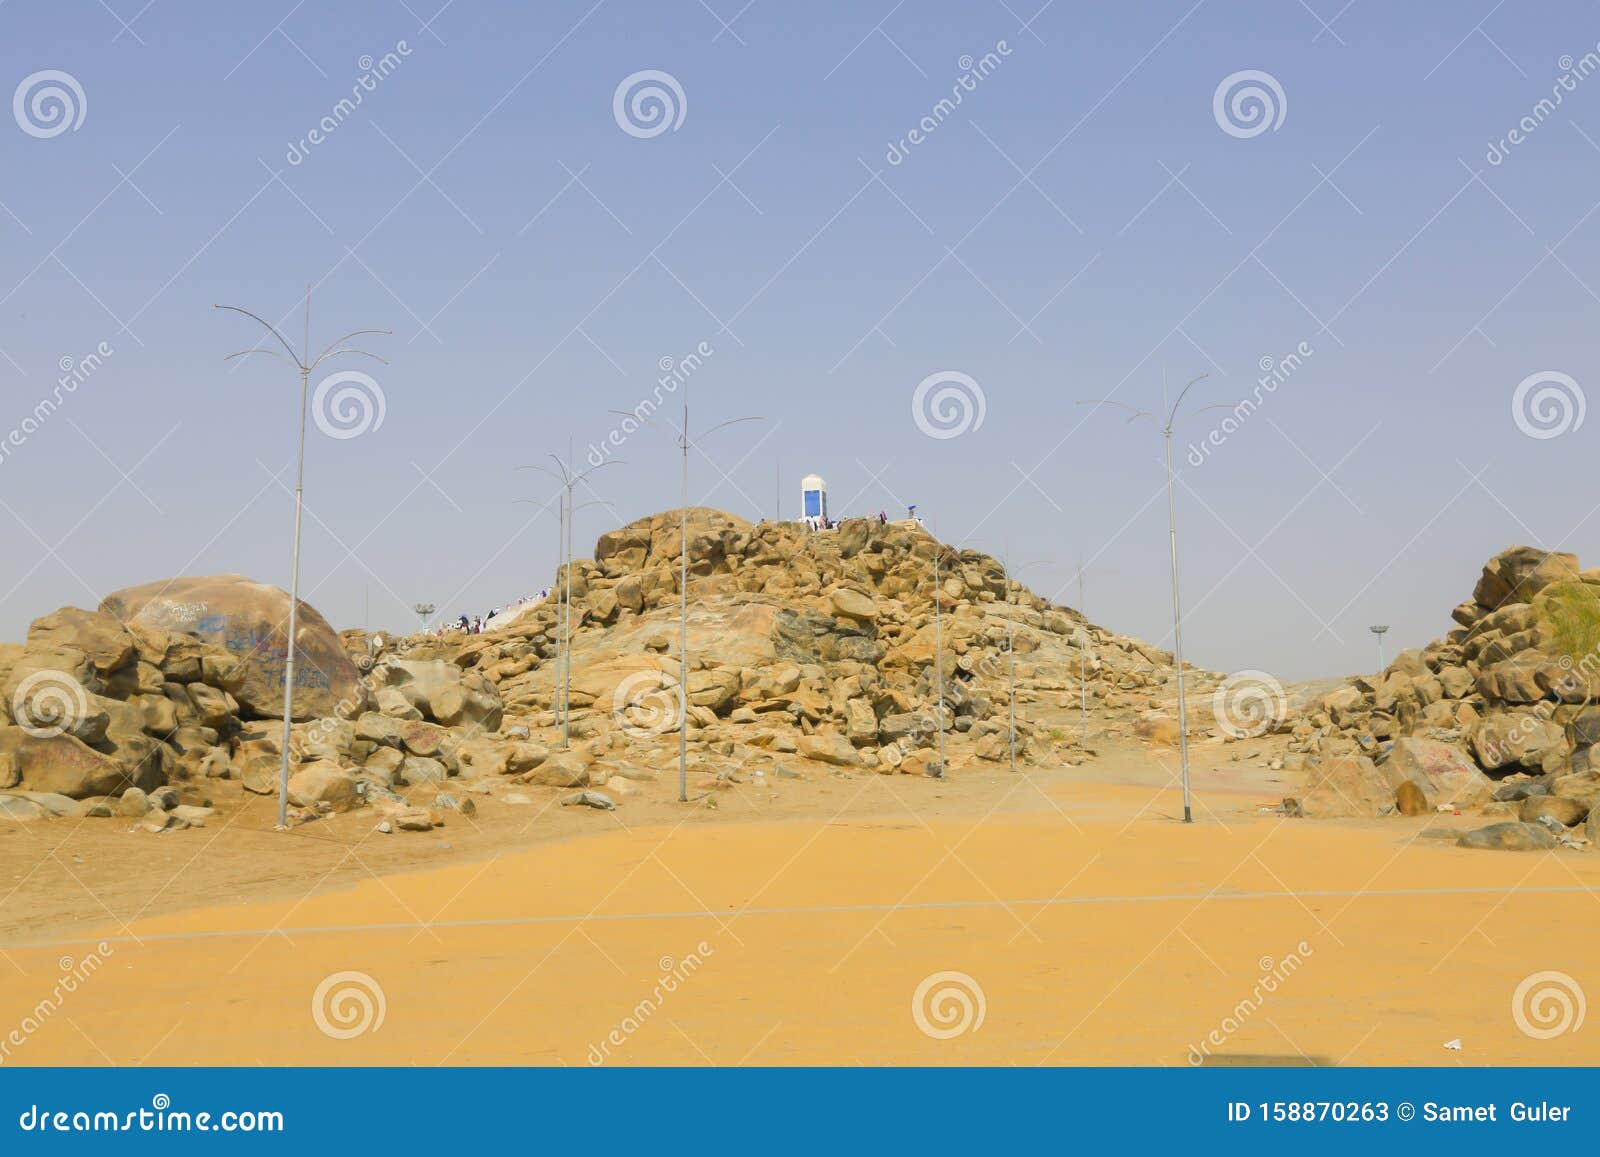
(294, 357)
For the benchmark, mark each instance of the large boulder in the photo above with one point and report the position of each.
(1443, 771)
(1348, 786)
(1509, 837)
(561, 769)
(1519, 739)
(1517, 574)
(100, 638)
(854, 605)
(445, 694)
(251, 620)
(826, 747)
(66, 765)
(1523, 678)
(49, 691)
(323, 782)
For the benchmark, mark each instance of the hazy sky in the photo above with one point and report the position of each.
(1089, 216)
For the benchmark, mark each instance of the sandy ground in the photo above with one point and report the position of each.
(794, 924)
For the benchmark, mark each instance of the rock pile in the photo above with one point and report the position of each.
(1504, 709)
(807, 650)
(147, 706)
(816, 645)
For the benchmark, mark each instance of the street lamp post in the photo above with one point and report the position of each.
(1177, 606)
(303, 363)
(1083, 668)
(1011, 643)
(568, 480)
(684, 443)
(1011, 696)
(1379, 630)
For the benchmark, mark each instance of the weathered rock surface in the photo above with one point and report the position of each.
(1509, 837)
(250, 620)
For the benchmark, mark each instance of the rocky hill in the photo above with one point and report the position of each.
(1503, 711)
(807, 650)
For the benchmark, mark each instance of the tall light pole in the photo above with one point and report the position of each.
(304, 363)
(423, 610)
(1012, 646)
(683, 586)
(561, 540)
(568, 480)
(1177, 605)
(1379, 630)
(1083, 653)
(1011, 653)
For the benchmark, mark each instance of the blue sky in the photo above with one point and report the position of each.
(1079, 226)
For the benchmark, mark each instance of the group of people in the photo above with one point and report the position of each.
(815, 522)
(475, 624)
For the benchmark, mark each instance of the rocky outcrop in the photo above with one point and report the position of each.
(812, 646)
(250, 620)
(1511, 692)
(804, 648)
(96, 706)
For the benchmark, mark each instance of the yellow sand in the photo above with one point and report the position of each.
(803, 941)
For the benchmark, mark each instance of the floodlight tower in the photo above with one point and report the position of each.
(1378, 629)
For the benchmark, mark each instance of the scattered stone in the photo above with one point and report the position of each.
(13, 807)
(133, 803)
(592, 799)
(1567, 812)
(826, 747)
(561, 769)
(1509, 837)
(1409, 800)
(321, 783)
(452, 803)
